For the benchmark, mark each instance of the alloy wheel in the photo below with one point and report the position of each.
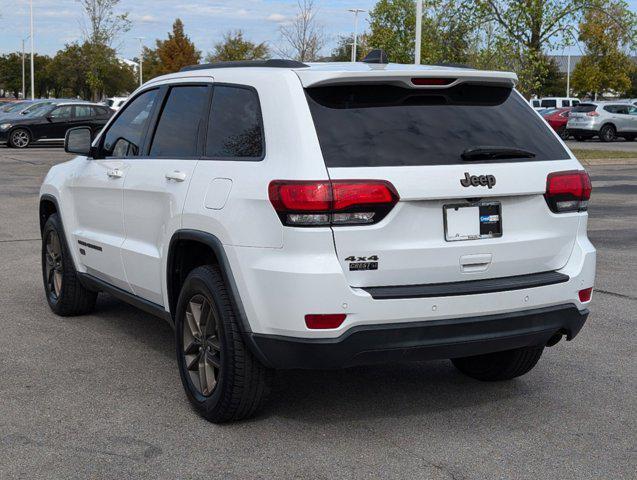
(54, 268)
(201, 345)
(20, 138)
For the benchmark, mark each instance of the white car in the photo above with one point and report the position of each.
(554, 102)
(284, 215)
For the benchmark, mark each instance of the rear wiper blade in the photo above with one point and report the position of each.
(495, 153)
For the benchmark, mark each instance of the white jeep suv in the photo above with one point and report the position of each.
(284, 215)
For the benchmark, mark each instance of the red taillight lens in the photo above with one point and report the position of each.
(432, 81)
(585, 295)
(317, 322)
(568, 191)
(337, 202)
(593, 114)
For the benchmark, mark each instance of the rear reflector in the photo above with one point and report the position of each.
(568, 191)
(317, 322)
(432, 81)
(585, 295)
(337, 202)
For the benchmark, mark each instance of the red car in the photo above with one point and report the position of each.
(557, 119)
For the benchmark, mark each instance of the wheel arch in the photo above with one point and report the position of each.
(22, 127)
(47, 207)
(189, 249)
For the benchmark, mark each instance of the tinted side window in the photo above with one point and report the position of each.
(62, 112)
(566, 103)
(549, 103)
(180, 121)
(82, 111)
(235, 125)
(575, 102)
(124, 137)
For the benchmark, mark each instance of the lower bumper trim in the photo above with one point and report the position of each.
(427, 340)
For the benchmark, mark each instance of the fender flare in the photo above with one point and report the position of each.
(50, 198)
(216, 246)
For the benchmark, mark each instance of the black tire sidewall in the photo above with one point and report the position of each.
(198, 283)
(602, 133)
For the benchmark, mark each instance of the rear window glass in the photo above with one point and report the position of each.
(584, 108)
(383, 125)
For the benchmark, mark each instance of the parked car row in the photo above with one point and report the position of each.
(48, 120)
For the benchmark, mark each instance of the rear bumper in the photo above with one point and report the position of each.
(437, 339)
(592, 131)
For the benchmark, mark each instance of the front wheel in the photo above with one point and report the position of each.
(563, 133)
(64, 292)
(221, 377)
(19, 138)
(499, 366)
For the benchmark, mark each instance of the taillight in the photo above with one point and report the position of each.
(568, 191)
(336, 202)
(593, 114)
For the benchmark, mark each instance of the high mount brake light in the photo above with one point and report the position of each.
(336, 202)
(432, 81)
(568, 191)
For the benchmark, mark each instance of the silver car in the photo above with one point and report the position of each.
(607, 120)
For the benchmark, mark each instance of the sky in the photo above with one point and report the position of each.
(60, 21)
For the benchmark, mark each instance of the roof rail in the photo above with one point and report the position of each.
(272, 63)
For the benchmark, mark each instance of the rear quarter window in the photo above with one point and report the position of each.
(386, 125)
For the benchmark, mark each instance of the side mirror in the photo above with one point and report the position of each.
(78, 140)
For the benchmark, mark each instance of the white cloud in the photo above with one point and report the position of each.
(277, 17)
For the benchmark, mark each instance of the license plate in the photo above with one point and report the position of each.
(472, 221)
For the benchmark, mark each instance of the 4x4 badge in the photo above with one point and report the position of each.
(476, 180)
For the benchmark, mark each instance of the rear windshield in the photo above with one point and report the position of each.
(385, 125)
(584, 108)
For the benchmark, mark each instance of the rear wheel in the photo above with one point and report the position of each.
(222, 379)
(64, 292)
(20, 138)
(499, 365)
(607, 133)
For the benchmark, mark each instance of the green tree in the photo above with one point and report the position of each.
(176, 52)
(533, 27)
(606, 32)
(234, 47)
(151, 64)
(392, 27)
(342, 52)
(11, 73)
(68, 72)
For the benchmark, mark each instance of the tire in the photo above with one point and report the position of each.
(499, 366)
(19, 138)
(563, 133)
(607, 133)
(234, 384)
(64, 292)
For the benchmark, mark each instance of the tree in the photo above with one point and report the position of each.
(304, 36)
(534, 26)
(234, 47)
(449, 30)
(606, 31)
(343, 50)
(11, 73)
(102, 25)
(393, 26)
(176, 52)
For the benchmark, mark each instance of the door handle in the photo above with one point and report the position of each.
(115, 173)
(177, 176)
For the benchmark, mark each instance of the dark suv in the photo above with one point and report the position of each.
(51, 121)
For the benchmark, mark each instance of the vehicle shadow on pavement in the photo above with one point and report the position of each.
(331, 396)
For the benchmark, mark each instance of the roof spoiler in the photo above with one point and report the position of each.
(272, 63)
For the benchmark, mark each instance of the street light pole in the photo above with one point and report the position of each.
(568, 75)
(418, 31)
(32, 54)
(355, 11)
(141, 59)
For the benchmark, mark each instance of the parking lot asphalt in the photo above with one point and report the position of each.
(99, 396)
(594, 144)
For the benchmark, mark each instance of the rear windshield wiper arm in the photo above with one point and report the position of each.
(495, 153)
